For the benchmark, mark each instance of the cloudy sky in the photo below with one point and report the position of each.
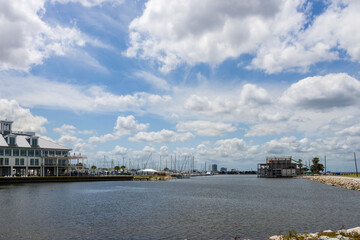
(228, 82)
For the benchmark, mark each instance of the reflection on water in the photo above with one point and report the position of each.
(204, 207)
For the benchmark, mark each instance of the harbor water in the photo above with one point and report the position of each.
(211, 207)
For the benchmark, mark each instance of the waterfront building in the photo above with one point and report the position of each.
(214, 168)
(25, 154)
(278, 167)
(223, 169)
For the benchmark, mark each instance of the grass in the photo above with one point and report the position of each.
(349, 174)
(292, 235)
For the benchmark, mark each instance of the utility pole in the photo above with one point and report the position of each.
(325, 165)
(355, 165)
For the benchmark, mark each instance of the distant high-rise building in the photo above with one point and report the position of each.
(223, 169)
(214, 167)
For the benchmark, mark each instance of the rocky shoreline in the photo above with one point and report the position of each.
(351, 183)
(352, 233)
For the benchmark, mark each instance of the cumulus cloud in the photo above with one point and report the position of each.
(27, 40)
(288, 145)
(281, 34)
(123, 126)
(234, 147)
(321, 92)
(128, 124)
(23, 119)
(65, 129)
(205, 128)
(163, 136)
(174, 32)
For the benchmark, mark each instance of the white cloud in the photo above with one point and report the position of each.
(23, 119)
(128, 124)
(40, 92)
(153, 80)
(89, 3)
(205, 128)
(288, 145)
(321, 92)
(234, 148)
(350, 131)
(281, 34)
(122, 151)
(265, 129)
(69, 140)
(123, 126)
(65, 129)
(163, 136)
(175, 32)
(27, 40)
(164, 151)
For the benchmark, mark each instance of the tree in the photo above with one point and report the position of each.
(316, 167)
(117, 168)
(93, 167)
(123, 168)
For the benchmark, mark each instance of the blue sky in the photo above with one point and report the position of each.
(224, 82)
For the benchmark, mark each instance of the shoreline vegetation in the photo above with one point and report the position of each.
(348, 234)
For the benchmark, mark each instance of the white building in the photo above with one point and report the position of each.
(25, 154)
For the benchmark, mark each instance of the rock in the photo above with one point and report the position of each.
(354, 230)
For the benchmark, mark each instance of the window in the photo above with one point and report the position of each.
(37, 153)
(22, 161)
(17, 161)
(45, 153)
(23, 153)
(31, 162)
(1, 152)
(11, 140)
(36, 162)
(6, 161)
(51, 153)
(58, 153)
(31, 153)
(1, 161)
(65, 153)
(48, 161)
(34, 142)
(15, 152)
(7, 152)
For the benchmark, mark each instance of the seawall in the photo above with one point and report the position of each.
(351, 183)
(13, 180)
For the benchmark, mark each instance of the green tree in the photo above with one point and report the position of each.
(316, 167)
(93, 167)
(117, 168)
(123, 168)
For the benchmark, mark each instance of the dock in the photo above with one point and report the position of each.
(14, 180)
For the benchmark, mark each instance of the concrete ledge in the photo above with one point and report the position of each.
(12, 180)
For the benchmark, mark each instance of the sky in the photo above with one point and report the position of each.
(223, 82)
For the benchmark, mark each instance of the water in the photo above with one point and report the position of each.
(212, 207)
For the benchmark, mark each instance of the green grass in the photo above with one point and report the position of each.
(292, 235)
(349, 174)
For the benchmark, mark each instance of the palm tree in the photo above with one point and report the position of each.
(316, 167)
(93, 167)
(122, 168)
(117, 168)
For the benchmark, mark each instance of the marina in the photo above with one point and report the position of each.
(221, 206)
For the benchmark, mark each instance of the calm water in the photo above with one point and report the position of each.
(203, 207)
